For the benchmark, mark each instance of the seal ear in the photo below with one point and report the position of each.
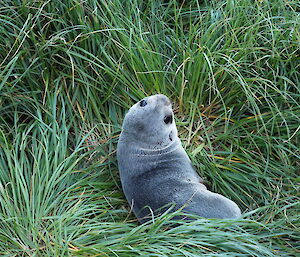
(171, 136)
(140, 127)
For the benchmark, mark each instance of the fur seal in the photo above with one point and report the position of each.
(156, 171)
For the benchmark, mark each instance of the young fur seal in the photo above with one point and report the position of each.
(155, 169)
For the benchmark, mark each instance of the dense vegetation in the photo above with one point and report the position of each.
(70, 69)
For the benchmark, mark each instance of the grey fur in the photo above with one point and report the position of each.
(155, 169)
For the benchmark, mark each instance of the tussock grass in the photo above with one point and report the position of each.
(69, 70)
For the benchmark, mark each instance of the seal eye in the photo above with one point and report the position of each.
(143, 103)
(168, 119)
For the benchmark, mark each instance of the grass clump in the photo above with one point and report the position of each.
(68, 72)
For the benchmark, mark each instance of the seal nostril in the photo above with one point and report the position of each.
(143, 103)
(168, 119)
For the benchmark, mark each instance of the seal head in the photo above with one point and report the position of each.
(150, 122)
(155, 169)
